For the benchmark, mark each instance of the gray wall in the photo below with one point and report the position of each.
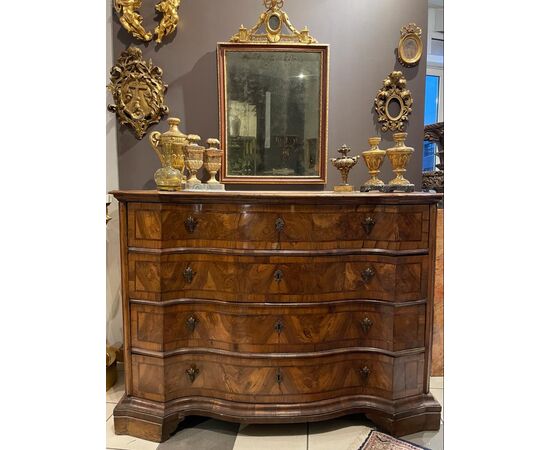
(362, 35)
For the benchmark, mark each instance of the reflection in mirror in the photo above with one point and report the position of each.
(273, 118)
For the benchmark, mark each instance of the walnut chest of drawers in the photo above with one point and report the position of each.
(276, 306)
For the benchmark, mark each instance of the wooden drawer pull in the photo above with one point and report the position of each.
(191, 224)
(279, 326)
(188, 274)
(368, 224)
(192, 323)
(278, 376)
(278, 275)
(279, 224)
(366, 323)
(192, 373)
(365, 372)
(367, 274)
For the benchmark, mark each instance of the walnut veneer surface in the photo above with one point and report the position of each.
(276, 307)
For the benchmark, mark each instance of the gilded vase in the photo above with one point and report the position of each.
(399, 156)
(344, 164)
(213, 160)
(374, 157)
(194, 155)
(176, 140)
(167, 177)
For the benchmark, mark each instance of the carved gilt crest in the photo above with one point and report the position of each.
(138, 91)
(271, 22)
(394, 91)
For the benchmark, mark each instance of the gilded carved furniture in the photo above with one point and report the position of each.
(273, 98)
(138, 91)
(262, 307)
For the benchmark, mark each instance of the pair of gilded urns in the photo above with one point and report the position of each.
(178, 152)
(398, 155)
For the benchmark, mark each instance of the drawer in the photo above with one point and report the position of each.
(298, 227)
(275, 328)
(277, 279)
(277, 379)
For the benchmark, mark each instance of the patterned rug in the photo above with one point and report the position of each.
(380, 441)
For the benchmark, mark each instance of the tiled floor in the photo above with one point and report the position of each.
(196, 433)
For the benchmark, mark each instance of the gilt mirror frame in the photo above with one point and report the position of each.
(273, 34)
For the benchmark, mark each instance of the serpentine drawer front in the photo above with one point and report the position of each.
(277, 278)
(271, 307)
(157, 225)
(276, 328)
(277, 380)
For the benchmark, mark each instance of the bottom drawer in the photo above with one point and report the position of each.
(276, 379)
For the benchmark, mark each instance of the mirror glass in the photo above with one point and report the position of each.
(274, 106)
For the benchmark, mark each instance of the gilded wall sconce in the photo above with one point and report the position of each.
(138, 91)
(393, 103)
(409, 49)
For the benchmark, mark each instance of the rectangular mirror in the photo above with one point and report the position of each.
(273, 113)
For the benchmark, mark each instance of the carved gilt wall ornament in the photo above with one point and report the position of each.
(131, 20)
(272, 21)
(393, 103)
(138, 91)
(409, 49)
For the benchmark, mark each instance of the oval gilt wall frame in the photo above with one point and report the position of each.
(409, 49)
(394, 89)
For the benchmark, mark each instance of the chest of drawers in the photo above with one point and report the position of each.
(276, 307)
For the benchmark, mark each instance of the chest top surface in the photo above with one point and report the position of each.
(277, 197)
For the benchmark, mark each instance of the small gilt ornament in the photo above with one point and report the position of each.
(131, 19)
(170, 18)
(344, 164)
(138, 91)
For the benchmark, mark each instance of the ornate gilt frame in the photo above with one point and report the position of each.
(414, 32)
(273, 40)
(138, 91)
(394, 88)
(225, 47)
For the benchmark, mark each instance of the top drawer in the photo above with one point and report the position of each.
(278, 227)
